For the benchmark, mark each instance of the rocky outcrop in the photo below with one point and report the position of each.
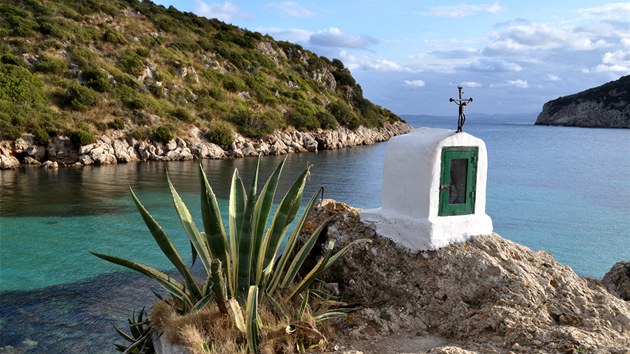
(606, 106)
(617, 280)
(119, 148)
(488, 295)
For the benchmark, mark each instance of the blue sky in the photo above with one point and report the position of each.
(409, 56)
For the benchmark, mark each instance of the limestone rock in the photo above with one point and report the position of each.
(31, 161)
(487, 291)
(24, 142)
(617, 280)
(50, 164)
(60, 149)
(7, 158)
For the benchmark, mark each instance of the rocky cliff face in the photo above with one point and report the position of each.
(487, 295)
(606, 106)
(116, 147)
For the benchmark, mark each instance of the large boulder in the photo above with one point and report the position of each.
(617, 280)
(487, 293)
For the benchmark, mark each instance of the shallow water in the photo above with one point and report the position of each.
(563, 190)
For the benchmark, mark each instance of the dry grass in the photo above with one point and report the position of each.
(208, 327)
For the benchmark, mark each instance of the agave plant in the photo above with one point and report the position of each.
(139, 336)
(250, 256)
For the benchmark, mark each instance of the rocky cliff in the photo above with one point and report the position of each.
(117, 147)
(487, 295)
(606, 106)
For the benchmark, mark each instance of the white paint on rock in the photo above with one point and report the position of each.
(410, 194)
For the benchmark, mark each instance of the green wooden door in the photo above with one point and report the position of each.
(458, 180)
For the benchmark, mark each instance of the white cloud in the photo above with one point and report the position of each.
(539, 36)
(512, 83)
(290, 8)
(287, 34)
(470, 84)
(455, 53)
(414, 83)
(609, 11)
(463, 10)
(552, 77)
(353, 62)
(222, 11)
(333, 37)
(617, 62)
(493, 65)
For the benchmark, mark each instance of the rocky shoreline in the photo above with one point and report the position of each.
(118, 147)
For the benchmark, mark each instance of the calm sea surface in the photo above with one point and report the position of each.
(562, 190)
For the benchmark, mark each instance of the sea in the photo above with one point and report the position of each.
(563, 190)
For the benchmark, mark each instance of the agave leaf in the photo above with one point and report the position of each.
(247, 241)
(124, 335)
(190, 227)
(174, 287)
(251, 323)
(283, 217)
(237, 313)
(213, 223)
(218, 285)
(236, 211)
(260, 216)
(278, 274)
(303, 306)
(167, 247)
(302, 254)
(202, 303)
(343, 251)
(310, 277)
(332, 314)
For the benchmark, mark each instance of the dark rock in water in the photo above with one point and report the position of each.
(617, 280)
(606, 106)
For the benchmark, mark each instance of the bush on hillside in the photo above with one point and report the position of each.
(11, 59)
(182, 114)
(79, 97)
(326, 120)
(96, 78)
(163, 134)
(344, 115)
(49, 65)
(251, 124)
(20, 86)
(220, 133)
(303, 118)
(81, 137)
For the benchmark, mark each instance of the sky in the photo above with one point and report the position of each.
(409, 56)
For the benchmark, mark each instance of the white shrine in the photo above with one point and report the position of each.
(434, 189)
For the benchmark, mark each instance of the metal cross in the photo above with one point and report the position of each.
(461, 102)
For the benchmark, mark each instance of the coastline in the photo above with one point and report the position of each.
(118, 147)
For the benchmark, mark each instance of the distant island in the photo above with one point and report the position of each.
(606, 106)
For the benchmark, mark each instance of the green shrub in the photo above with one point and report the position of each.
(20, 86)
(344, 115)
(112, 36)
(132, 62)
(117, 123)
(220, 133)
(96, 78)
(79, 97)
(303, 118)
(11, 59)
(81, 137)
(326, 120)
(41, 136)
(48, 64)
(139, 134)
(251, 124)
(163, 133)
(182, 114)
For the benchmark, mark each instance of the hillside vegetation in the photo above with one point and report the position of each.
(80, 67)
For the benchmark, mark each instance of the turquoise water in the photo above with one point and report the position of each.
(562, 190)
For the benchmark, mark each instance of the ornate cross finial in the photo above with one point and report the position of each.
(461, 102)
